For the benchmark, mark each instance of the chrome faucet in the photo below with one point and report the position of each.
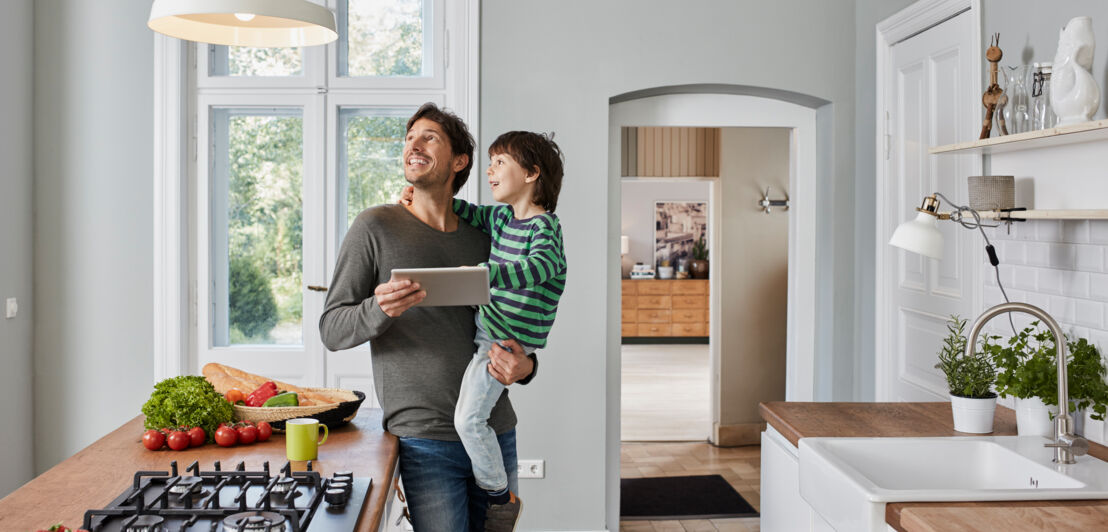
(1066, 445)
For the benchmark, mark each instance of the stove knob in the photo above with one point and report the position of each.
(336, 496)
(340, 484)
(339, 475)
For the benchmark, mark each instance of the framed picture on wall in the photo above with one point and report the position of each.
(677, 226)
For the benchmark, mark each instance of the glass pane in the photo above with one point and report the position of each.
(386, 38)
(257, 227)
(245, 61)
(370, 166)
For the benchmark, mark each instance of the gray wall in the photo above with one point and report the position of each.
(867, 13)
(754, 274)
(1029, 33)
(93, 256)
(16, 243)
(552, 66)
(637, 212)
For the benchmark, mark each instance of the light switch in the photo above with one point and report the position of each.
(12, 308)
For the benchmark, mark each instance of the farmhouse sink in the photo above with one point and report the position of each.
(848, 481)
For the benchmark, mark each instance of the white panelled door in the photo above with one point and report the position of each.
(930, 98)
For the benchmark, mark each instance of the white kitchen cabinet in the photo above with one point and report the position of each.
(783, 510)
(395, 517)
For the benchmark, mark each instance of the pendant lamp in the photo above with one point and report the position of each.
(256, 23)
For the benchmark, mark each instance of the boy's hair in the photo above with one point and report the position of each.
(461, 141)
(531, 150)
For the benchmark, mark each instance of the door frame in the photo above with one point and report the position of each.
(724, 106)
(912, 20)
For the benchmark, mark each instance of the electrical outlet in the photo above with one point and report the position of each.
(12, 308)
(532, 468)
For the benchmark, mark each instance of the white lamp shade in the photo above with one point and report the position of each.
(920, 235)
(276, 23)
(624, 244)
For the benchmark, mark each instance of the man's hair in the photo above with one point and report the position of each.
(531, 150)
(461, 141)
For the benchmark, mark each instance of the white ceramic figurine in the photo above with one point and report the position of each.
(1074, 94)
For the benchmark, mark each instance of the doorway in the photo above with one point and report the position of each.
(737, 107)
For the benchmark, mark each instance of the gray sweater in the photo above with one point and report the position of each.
(420, 356)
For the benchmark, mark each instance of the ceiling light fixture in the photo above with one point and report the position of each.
(256, 23)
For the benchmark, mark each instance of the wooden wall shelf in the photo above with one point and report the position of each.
(1072, 134)
(1046, 214)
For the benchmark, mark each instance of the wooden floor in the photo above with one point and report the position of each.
(740, 466)
(664, 393)
(665, 401)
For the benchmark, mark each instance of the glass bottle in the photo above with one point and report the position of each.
(1042, 115)
(1017, 111)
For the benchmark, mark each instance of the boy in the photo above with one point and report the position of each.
(527, 271)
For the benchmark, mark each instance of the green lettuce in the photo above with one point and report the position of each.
(187, 401)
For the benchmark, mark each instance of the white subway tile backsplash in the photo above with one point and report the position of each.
(1049, 281)
(1098, 231)
(1098, 286)
(1061, 256)
(1062, 308)
(1075, 231)
(1061, 267)
(1038, 254)
(1048, 231)
(1076, 284)
(1024, 278)
(1089, 313)
(1090, 258)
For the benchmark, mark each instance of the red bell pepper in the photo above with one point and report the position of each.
(258, 397)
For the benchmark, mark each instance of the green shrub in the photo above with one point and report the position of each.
(253, 310)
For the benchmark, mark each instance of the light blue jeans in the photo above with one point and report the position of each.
(478, 395)
(438, 482)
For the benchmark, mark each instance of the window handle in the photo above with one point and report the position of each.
(317, 288)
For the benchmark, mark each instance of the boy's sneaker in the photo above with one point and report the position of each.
(503, 517)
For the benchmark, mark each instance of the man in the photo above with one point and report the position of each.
(420, 354)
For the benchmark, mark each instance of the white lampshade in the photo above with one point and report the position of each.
(257, 23)
(920, 235)
(624, 244)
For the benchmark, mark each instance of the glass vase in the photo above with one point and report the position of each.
(1017, 108)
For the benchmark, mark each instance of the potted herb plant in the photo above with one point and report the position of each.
(1028, 371)
(969, 379)
(698, 268)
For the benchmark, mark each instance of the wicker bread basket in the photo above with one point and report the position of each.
(333, 415)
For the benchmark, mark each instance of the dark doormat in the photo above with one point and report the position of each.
(696, 497)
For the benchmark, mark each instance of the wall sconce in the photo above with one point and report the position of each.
(921, 235)
(257, 23)
(624, 244)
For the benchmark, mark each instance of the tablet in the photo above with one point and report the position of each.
(448, 287)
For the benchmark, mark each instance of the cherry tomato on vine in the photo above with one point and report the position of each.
(197, 436)
(247, 434)
(225, 436)
(178, 441)
(264, 431)
(153, 439)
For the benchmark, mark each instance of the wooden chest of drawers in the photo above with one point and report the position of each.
(653, 307)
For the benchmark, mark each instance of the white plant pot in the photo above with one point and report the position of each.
(973, 416)
(1033, 418)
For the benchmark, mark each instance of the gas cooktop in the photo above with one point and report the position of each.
(234, 500)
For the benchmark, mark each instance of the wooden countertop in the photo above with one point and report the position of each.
(795, 420)
(99, 473)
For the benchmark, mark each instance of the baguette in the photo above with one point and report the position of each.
(223, 378)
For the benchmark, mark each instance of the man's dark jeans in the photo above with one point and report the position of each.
(438, 482)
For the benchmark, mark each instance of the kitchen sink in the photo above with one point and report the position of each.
(848, 481)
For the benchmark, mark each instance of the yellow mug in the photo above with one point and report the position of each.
(302, 438)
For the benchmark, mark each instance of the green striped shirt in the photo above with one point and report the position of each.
(527, 272)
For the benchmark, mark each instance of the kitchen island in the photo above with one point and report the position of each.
(97, 474)
(794, 420)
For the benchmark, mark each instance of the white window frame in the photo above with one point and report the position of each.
(440, 57)
(179, 85)
(312, 75)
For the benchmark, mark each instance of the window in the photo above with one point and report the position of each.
(291, 144)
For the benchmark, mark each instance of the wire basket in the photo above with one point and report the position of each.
(333, 415)
(992, 192)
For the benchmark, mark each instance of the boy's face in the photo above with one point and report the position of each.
(510, 183)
